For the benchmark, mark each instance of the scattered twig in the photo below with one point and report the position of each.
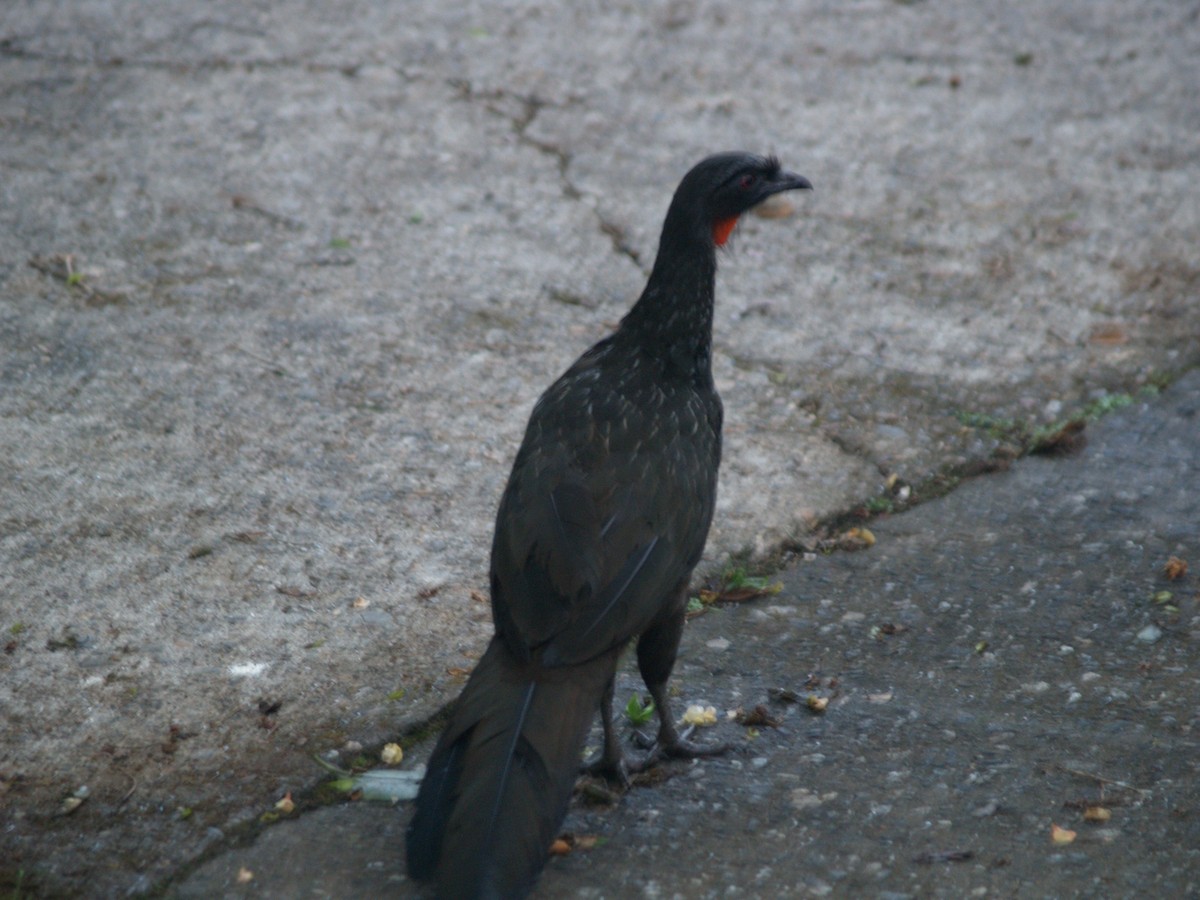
(276, 368)
(1100, 778)
(129, 793)
(939, 856)
(240, 201)
(62, 267)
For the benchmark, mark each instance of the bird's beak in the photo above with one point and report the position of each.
(790, 181)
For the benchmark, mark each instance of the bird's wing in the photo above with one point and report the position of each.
(601, 518)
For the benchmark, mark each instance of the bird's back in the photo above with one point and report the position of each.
(609, 501)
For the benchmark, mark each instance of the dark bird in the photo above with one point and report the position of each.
(604, 517)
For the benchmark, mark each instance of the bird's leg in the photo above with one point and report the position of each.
(656, 652)
(670, 743)
(611, 765)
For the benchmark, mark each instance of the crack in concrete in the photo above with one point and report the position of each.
(529, 107)
(853, 448)
(11, 48)
(846, 444)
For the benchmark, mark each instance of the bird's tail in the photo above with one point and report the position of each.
(500, 779)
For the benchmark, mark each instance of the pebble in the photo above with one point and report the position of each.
(1150, 634)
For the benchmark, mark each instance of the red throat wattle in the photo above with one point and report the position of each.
(722, 228)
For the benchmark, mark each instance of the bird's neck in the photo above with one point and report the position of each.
(672, 320)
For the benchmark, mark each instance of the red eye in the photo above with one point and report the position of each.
(746, 181)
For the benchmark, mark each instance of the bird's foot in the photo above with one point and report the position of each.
(611, 768)
(675, 746)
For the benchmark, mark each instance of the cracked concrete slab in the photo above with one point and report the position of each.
(278, 289)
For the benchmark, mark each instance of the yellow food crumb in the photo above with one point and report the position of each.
(700, 715)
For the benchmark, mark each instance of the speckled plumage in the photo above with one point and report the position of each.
(604, 517)
(608, 505)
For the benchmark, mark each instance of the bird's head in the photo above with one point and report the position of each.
(720, 188)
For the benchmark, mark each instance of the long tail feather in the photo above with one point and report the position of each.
(499, 781)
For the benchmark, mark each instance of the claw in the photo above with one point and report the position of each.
(643, 740)
(613, 771)
(677, 748)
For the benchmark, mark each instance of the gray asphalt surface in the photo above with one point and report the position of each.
(278, 287)
(1002, 661)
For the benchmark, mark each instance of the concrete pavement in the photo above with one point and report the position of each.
(1007, 660)
(277, 290)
